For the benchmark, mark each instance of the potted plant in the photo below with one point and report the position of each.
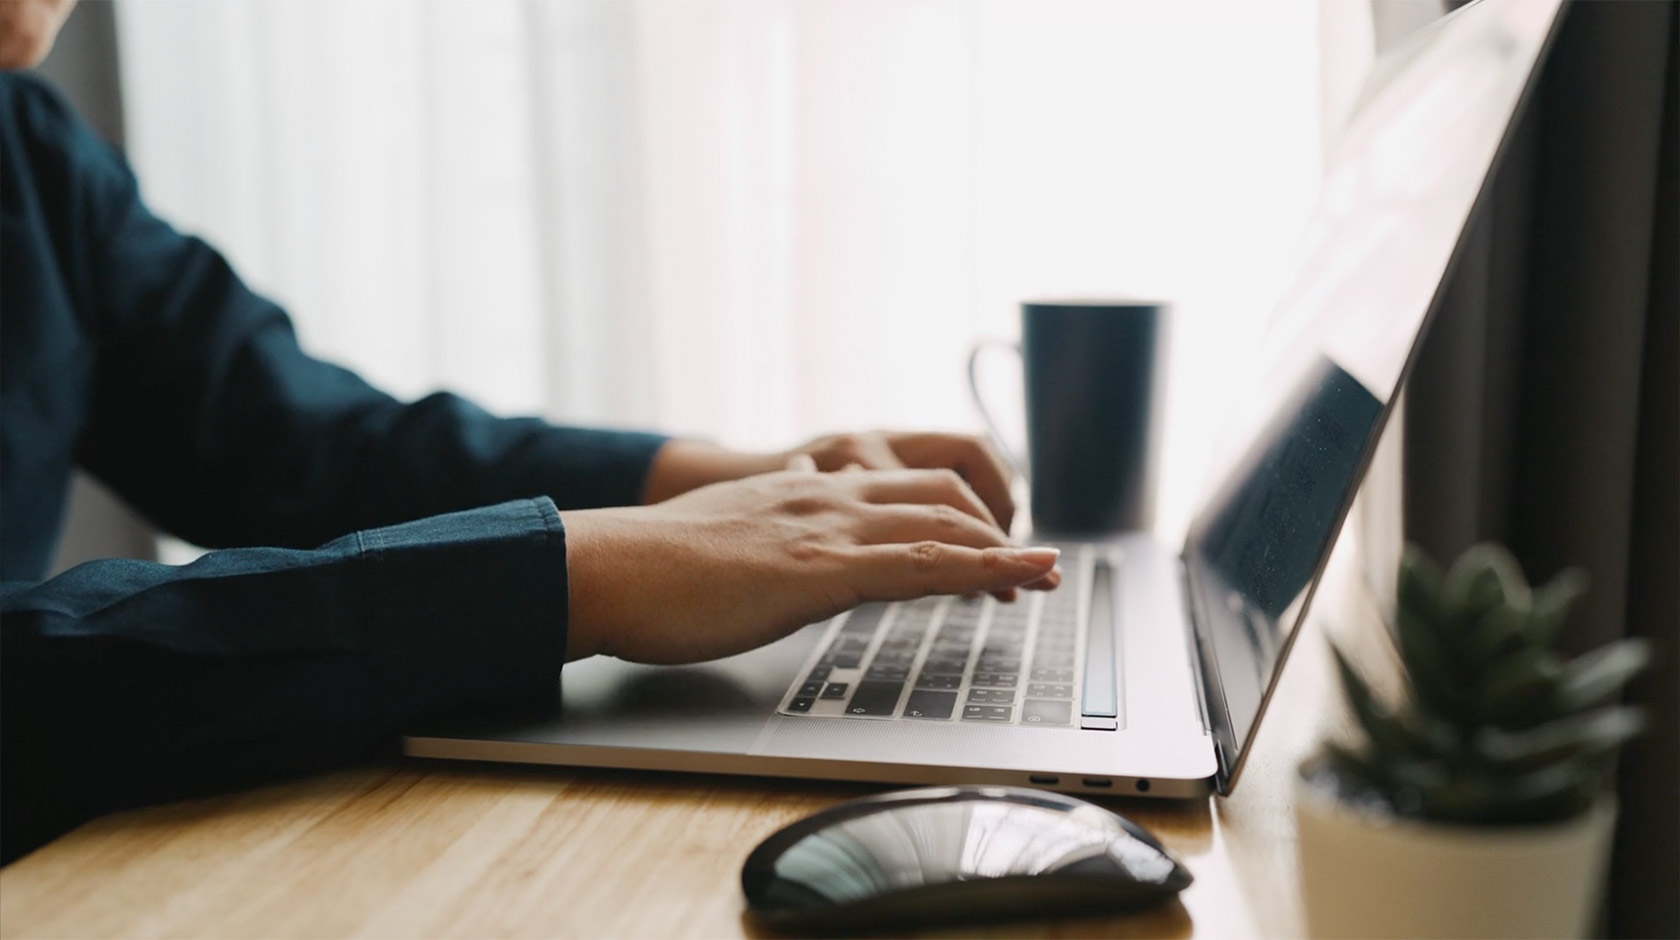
(1481, 804)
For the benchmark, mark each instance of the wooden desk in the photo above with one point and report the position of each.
(412, 850)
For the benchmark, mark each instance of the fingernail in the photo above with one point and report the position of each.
(1038, 555)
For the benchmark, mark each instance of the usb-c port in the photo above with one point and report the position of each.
(1046, 779)
(1098, 782)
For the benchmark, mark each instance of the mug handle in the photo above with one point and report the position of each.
(974, 351)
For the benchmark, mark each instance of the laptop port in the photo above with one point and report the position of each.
(1046, 779)
(1143, 786)
(1100, 783)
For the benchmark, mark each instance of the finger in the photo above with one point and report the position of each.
(1049, 582)
(973, 458)
(917, 569)
(908, 522)
(989, 477)
(802, 463)
(925, 486)
(901, 522)
(872, 452)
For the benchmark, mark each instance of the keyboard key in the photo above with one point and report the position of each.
(849, 644)
(996, 680)
(997, 664)
(943, 667)
(924, 704)
(1046, 690)
(819, 674)
(834, 690)
(991, 696)
(894, 658)
(925, 681)
(1051, 675)
(986, 712)
(809, 689)
(864, 619)
(841, 660)
(1055, 661)
(889, 673)
(1037, 711)
(875, 698)
(800, 704)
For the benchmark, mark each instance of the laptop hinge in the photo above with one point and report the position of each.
(1204, 676)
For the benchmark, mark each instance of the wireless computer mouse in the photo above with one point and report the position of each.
(953, 855)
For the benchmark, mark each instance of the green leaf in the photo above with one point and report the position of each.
(1418, 587)
(1436, 679)
(1595, 676)
(1484, 576)
(1551, 793)
(1386, 733)
(1501, 630)
(1553, 603)
(1589, 736)
(1519, 690)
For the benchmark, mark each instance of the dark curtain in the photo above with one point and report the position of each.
(1545, 408)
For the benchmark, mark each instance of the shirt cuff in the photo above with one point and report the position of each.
(468, 609)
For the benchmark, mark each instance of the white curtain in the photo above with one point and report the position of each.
(751, 220)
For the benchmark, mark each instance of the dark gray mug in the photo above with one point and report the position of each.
(1094, 387)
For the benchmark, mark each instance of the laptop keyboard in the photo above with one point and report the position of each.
(967, 659)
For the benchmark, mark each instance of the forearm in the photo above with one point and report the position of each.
(127, 683)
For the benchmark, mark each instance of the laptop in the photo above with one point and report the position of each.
(1148, 670)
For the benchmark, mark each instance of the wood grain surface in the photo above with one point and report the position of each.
(438, 849)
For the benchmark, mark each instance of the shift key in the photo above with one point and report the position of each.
(875, 698)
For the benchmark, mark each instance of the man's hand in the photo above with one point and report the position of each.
(733, 566)
(973, 459)
(683, 465)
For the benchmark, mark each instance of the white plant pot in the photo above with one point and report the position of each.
(1368, 875)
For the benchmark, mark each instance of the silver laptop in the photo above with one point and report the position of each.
(1148, 670)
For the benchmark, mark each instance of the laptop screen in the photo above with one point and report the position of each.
(1400, 190)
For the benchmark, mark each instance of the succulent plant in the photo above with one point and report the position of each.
(1496, 727)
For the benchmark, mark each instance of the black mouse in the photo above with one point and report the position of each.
(944, 855)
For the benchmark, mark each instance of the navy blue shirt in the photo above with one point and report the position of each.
(377, 562)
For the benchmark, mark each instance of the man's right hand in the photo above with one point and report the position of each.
(730, 567)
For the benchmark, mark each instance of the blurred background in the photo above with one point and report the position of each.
(750, 221)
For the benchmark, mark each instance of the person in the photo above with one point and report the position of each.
(374, 562)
